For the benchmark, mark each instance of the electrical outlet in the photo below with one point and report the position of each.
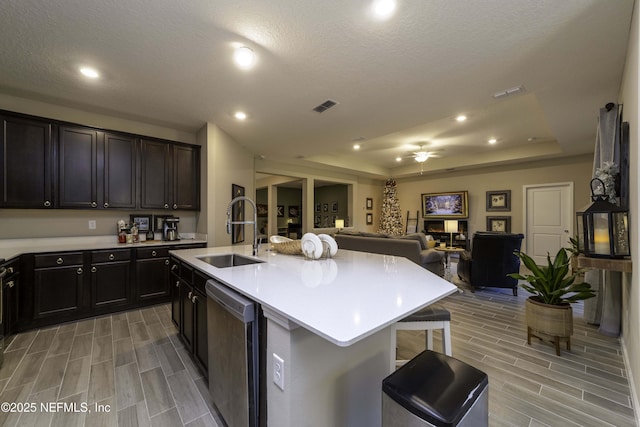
(278, 371)
(92, 224)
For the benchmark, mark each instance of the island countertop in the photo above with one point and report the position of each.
(342, 299)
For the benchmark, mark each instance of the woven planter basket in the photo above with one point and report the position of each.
(550, 320)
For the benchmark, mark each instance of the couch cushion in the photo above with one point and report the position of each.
(430, 255)
(420, 237)
(367, 234)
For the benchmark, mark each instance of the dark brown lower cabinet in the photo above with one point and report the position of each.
(110, 278)
(152, 274)
(10, 293)
(189, 311)
(58, 285)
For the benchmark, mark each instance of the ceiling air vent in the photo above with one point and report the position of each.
(324, 106)
(509, 92)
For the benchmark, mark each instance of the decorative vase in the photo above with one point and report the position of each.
(553, 322)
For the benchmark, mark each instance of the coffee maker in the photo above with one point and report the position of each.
(170, 228)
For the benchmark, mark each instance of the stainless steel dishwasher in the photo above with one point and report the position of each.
(232, 329)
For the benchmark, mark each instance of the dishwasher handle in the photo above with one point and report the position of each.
(238, 305)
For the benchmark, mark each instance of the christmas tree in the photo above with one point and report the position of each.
(391, 217)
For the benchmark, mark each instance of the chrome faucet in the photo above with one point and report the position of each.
(230, 222)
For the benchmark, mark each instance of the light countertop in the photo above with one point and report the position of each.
(10, 248)
(342, 299)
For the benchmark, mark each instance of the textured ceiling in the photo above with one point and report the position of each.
(398, 83)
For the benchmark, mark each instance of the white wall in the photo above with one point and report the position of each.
(631, 293)
(224, 162)
(512, 177)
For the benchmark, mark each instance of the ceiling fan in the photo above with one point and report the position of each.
(422, 156)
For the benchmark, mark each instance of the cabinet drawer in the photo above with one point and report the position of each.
(152, 252)
(108, 256)
(58, 260)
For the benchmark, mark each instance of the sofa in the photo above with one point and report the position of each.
(415, 247)
(490, 260)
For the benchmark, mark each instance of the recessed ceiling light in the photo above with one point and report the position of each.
(92, 73)
(398, 159)
(244, 57)
(461, 118)
(384, 8)
(240, 115)
(492, 141)
(356, 146)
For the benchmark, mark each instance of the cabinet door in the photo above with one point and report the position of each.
(200, 341)
(57, 291)
(25, 142)
(77, 176)
(186, 177)
(110, 284)
(155, 175)
(186, 305)
(152, 278)
(175, 301)
(119, 177)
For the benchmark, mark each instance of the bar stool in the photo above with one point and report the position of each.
(427, 319)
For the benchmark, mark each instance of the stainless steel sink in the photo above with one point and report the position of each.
(228, 260)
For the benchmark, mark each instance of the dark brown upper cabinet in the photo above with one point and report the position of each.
(96, 169)
(26, 159)
(169, 176)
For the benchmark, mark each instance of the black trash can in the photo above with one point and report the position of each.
(433, 389)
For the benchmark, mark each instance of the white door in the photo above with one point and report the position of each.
(548, 218)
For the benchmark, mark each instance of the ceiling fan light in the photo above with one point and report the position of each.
(421, 156)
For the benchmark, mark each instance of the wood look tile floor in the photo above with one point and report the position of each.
(135, 363)
(131, 365)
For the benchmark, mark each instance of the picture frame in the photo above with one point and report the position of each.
(317, 220)
(325, 207)
(145, 222)
(294, 211)
(369, 203)
(262, 210)
(369, 218)
(318, 207)
(499, 201)
(446, 205)
(280, 211)
(237, 214)
(334, 207)
(501, 224)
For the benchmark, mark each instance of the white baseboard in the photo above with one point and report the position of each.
(632, 385)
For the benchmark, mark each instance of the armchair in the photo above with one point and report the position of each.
(490, 260)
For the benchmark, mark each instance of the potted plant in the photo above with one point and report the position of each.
(548, 310)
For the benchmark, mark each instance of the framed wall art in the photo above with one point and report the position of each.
(499, 224)
(262, 209)
(294, 211)
(452, 205)
(499, 201)
(369, 203)
(280, 211)
(237, 214)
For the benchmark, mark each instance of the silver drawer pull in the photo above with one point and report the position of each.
(194, 299)
(93, 269)
(79, 270)
(166, 206)
(175, 206)
(59, 261)
(174, 266)
(111, 257)
(106, 205)
(47, 203)
(166, 262)
(9, 270)
(177, 283)
(94, 204)
(10, 284)
(154, 253)
(189, 296)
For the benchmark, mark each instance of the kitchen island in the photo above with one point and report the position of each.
(329, 321)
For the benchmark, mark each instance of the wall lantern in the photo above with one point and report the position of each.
(603, 228)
